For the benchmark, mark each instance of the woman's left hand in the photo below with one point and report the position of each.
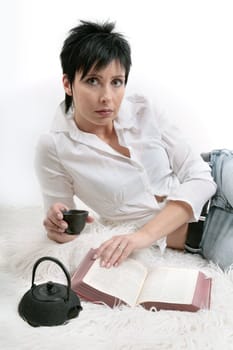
(115, 250)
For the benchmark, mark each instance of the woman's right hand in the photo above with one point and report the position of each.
(55, 225)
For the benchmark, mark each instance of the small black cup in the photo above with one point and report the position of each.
(76, 220)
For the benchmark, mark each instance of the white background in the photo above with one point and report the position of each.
(182, 57)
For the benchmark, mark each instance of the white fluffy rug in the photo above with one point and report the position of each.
(23, 241)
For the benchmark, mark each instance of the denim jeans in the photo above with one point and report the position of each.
(217, 240)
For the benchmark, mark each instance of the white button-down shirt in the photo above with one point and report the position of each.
(71, 162)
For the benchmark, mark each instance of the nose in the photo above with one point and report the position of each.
(105, 95)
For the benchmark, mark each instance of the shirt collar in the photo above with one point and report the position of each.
(130, 107)
(61, 119)
(64, 122)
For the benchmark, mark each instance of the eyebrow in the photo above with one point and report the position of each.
(100, 76)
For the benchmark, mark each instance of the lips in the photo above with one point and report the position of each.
(104, 112)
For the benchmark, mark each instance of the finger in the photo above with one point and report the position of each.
(52, 234)
(125, 253)
(89, 219)
(102, 247)
(112, 252)
(60, 237)
(118, 253)
(57, 222)
(53, 226)
(56, 211)
(110, 255)
(51, 216)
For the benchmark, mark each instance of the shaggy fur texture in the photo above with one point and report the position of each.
(23, 241)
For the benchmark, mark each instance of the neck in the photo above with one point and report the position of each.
(104, 132)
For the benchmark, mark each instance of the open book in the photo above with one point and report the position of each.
(131, 283)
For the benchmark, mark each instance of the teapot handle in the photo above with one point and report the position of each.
(58, 263)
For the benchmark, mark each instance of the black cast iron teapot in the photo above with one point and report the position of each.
(49, 304)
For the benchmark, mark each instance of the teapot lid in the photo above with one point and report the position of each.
(49, 291)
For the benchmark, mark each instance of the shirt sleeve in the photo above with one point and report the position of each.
(196, 185)
(56, 184)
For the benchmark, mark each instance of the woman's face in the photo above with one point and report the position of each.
(98, 96)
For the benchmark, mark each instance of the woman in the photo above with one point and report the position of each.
(117, 156)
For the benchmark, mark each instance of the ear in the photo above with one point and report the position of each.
(66, 84)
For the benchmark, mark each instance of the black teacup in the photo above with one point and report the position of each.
(76, 220)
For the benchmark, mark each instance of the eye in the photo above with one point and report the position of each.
(117, 82)
(92, 81)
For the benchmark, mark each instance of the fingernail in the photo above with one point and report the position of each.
(102, 263)
(94, 257)
(116, 264)
(108, 265)
(59, 216)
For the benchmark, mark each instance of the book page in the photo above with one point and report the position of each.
(169, 285)
(124, 282)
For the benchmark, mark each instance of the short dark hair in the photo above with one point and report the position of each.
(93, 44)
